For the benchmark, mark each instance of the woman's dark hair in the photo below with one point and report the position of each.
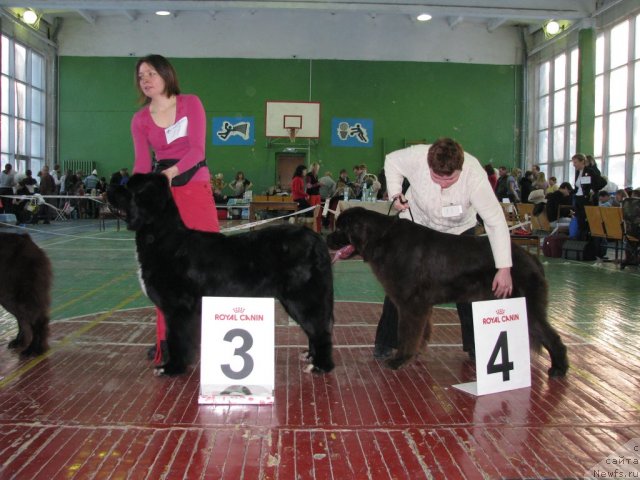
(489, 169)
(165, 70)
(299, 170)
(445, 156)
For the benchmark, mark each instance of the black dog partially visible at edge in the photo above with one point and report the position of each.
(419, 268)
(26, 291)
(179, 266)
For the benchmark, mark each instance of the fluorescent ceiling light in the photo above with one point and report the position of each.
(424, 17)
(30, 17)
(163, 13)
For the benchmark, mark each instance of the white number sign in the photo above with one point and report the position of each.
(502, 347)
(237, 364)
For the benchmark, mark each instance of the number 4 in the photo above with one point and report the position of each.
(506, 366)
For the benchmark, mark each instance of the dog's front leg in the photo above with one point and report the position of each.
(414, 329)
(180, 340)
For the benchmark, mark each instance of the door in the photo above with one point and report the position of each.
(286, 164)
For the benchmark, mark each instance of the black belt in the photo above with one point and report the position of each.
(184, 177)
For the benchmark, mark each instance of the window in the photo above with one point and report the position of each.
(557, 113)
(617, 138)
(22, 106)
(617, 107)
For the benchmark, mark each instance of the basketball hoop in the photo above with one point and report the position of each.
(292, 134)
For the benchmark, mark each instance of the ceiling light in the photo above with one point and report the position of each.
(552, 27)
(29, 17)
(163, 13)
(424, 17)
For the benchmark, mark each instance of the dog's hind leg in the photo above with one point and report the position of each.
(39, 343)
(544, 334)
(414, 329)
(316, 321)
(541, 333)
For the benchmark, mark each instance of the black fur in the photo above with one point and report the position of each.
(179, 266)
(419, 268)
(26, 291)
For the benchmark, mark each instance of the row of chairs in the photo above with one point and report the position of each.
(607, 223)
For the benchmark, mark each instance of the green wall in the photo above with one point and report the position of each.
(476, 104)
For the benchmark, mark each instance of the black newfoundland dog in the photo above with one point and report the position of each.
(26, 291)
(419, 268)
(179, 266)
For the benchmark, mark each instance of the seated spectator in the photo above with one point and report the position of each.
(604, 199)
(620, 195)
(559, 205)
(553, 185)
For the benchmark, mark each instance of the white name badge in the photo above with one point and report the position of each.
(502, 347)
(177, 130)
(237, 359)
(452, 211)
(586, 180)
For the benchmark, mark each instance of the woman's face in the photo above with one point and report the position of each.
(577, 163)
(445, 181)
(150, 81)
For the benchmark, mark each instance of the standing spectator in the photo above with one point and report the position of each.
(526, 186)
(298, 190)
(47, 187)
(7, 182)
(587, 179)
(312, 185)
(91, 181)
(240, 185)
(491, 175)
(327, 186)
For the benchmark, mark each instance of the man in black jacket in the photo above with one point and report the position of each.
(559, 202)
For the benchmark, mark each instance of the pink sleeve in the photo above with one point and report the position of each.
(196, 132)
(141, 149)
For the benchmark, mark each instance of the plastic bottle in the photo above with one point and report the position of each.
(345, 195)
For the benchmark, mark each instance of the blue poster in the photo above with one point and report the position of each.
(352, 132)
(233, 130)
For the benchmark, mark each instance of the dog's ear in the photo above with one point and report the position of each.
(150, 195)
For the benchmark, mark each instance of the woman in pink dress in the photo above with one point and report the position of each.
(173, 127)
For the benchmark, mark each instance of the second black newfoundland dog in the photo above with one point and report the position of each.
(179, 266)
(419, 268)
(26, 291)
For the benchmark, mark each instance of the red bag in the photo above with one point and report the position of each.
(552, 245)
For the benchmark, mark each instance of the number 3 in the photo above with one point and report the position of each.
(506, 366)
(247, 343)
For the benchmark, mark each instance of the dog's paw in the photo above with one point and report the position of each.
(396, 362)
(170, 369)
(33, 351)
(15, 343)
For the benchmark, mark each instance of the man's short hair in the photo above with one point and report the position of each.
(603, 194)
(445, 156)
(566, 185)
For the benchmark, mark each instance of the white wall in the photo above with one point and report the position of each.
(271, 34)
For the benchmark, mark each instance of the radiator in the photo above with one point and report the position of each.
(86, 166)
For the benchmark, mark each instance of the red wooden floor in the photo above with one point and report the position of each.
(91, 408)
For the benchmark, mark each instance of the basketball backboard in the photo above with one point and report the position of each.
(282, 117)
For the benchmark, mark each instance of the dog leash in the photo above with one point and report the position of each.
(403, 203)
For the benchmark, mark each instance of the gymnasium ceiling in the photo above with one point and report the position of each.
(492, 13)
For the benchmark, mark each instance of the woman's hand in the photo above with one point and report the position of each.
(171, 172)
(502, 285)
(400, 203)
